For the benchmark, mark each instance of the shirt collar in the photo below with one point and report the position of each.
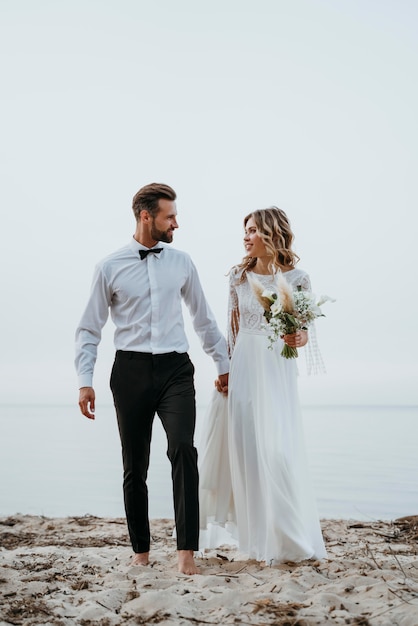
(135, 246)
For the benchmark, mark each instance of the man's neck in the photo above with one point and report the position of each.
(145, 241)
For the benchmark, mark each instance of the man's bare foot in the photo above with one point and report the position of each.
(186, 564)
(140, 558)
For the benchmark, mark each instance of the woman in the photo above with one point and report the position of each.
(267, 506)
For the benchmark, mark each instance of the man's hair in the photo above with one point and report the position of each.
(146, 199)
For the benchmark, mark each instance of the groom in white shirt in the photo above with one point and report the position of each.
(143, 285)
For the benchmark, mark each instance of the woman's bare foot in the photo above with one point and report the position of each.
(140, 558)
(186, 564)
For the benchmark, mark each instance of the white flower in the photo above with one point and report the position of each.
(323, 299)
(275, 308)
(269, 294)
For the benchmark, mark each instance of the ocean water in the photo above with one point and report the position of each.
(55, 462)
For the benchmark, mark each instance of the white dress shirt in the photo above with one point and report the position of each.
(145, 302)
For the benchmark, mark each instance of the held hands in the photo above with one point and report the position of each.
(86, 402)
(297, 339)
(221, 383)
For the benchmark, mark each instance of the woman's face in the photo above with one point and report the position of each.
(252, 241)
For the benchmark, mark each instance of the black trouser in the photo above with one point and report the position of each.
(142, 385)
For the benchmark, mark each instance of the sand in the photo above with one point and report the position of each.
(76, 570)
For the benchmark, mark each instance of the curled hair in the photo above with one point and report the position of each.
(146, 199)
(274, 229)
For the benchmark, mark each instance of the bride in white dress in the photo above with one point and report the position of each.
(255, 490)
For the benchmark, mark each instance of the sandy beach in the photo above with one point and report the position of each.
(76, 570)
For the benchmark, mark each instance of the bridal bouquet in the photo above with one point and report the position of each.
(287, 311)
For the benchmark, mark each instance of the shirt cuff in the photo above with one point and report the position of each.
(85, 380)
(222, 367)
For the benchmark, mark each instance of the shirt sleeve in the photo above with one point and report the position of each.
(89, 330)
(204, 323)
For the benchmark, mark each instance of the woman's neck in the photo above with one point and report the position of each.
(262, 266)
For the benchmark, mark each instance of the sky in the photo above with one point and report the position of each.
(239, 105)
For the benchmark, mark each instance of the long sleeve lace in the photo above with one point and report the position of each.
(233, 312)
(314, 361)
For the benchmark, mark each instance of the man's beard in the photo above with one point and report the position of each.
(161, 235)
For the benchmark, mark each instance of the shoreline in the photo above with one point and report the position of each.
(76, 570)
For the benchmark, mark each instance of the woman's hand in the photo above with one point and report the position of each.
(297, 339)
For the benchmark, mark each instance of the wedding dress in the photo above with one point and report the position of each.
(255, 490)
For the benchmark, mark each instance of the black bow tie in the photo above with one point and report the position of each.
(144, 253)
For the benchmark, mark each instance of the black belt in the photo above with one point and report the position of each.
(132, 354)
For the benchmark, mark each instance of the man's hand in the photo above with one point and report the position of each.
(221, 383)
(86, 402)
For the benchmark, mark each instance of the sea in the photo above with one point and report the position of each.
(55, 463)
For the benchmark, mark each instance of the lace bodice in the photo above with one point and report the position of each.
(244, 311)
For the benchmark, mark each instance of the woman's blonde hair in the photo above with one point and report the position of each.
(274, 229)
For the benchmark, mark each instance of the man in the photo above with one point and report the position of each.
(143, 285)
